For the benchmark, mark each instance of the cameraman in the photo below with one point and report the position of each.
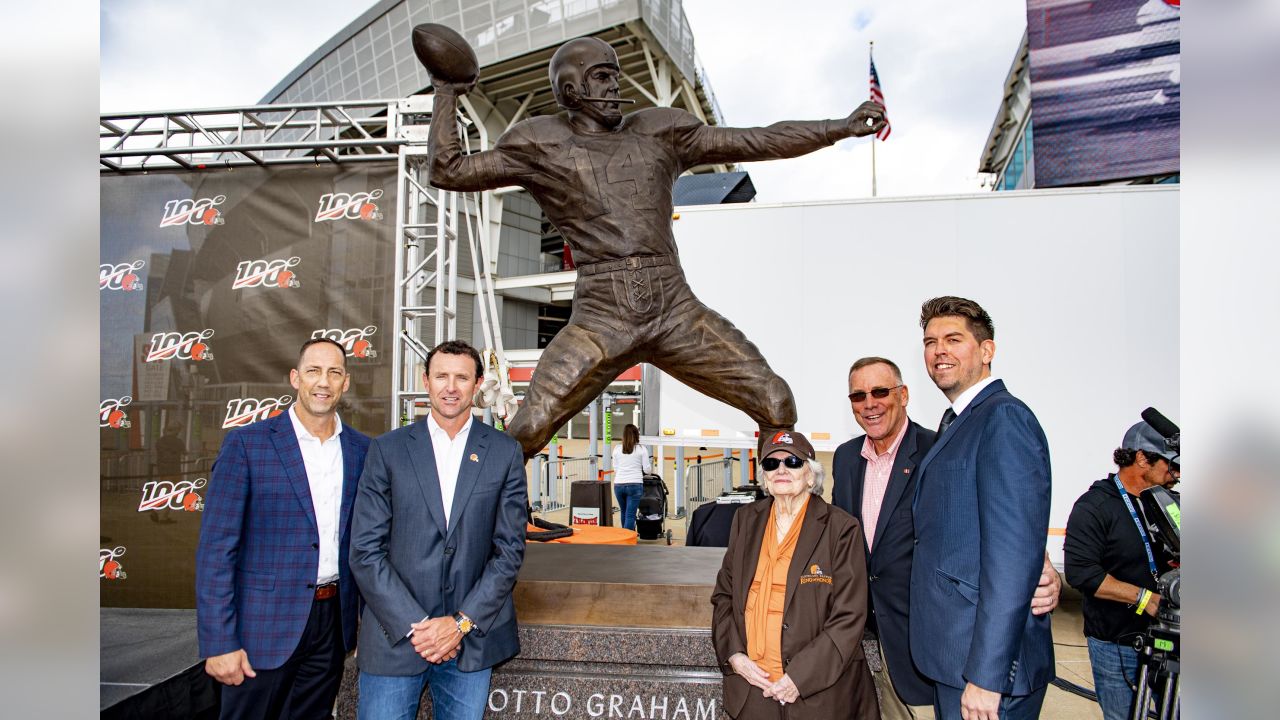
(1111, 559)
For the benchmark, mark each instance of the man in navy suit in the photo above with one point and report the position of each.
(982, 517)
(874, 480)
(275, 600)
(436, 543)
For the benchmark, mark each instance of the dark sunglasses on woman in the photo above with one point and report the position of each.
(771, 463)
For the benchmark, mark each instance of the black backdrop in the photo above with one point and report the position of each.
(209, 283)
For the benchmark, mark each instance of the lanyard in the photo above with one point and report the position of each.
(1146, 544)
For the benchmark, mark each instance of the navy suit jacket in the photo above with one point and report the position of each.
(410, 565)
(259, 548)
(982, 516)
(889, 557)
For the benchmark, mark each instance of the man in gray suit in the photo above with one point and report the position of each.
(437, 539)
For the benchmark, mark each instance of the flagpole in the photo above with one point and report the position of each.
(871, 46)
(873, 166)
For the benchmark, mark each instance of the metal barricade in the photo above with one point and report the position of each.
(125, 472)
(705, 481)
(129, 471)
(200, 467)
(557, 475)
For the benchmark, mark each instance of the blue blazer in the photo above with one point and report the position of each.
(889, 557)
(982, 517)
(410, 565)
(260, 547)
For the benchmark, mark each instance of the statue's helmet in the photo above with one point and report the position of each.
(574, 59)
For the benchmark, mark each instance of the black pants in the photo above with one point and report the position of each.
(306, 685)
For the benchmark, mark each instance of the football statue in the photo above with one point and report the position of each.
(605, 179)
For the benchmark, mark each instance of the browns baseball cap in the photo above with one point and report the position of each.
(789, 440)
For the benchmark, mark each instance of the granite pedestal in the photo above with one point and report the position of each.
(605, 632)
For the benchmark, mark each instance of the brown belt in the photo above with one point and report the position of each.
(326, 591)
(633, 262)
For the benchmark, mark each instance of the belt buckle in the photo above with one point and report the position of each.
(326, 591)
(631, 263)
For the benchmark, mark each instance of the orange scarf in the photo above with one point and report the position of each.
(767, 598)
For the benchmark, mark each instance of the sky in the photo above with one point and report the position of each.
(942, 67)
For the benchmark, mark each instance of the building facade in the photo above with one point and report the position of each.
(1093, 97)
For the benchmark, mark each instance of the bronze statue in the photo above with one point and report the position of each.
(606, 180)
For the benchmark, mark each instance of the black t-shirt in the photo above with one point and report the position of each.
(1102, 540)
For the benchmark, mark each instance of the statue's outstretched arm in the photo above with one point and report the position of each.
(785, 139)
(450, 169)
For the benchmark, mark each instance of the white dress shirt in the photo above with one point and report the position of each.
(448, 452)
(967, 396)
(323, 462)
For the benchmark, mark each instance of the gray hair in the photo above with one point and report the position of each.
(816, 471)
(819, 476)
(869, 361)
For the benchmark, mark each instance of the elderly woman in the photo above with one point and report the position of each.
(791, 599)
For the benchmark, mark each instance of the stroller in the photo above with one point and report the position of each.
(653, 510)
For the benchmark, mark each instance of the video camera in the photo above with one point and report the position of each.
(1159, 649)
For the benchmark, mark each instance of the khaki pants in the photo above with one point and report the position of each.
(891, 706)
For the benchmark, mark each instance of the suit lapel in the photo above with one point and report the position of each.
(468, 470)
(749, 551)
(899, 477)
(859, 484)
(286, 444)
(349, 479)
(956, 425)
(815, 522)
(423, 458)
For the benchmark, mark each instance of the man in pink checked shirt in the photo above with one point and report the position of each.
(873, 480)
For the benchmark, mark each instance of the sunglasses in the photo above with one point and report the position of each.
(771, 463)
(877, 393)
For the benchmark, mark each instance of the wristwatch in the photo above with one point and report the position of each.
(464, 623)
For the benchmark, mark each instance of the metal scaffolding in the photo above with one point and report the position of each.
(429, 224)
(263, 135)
(429, 221)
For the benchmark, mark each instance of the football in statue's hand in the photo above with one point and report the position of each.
(445, 54)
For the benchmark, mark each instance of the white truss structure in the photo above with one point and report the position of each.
(312, 133)
(429, 222)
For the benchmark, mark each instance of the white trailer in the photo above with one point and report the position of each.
(1082, 285)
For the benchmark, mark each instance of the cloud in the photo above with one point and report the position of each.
(162, 55)
(942, 66)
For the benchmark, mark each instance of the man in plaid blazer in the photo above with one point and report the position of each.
(275, 600)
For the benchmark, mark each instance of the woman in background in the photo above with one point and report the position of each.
(630, 465)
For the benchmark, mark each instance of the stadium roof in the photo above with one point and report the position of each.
(372, 56)
(714, 189)
(1010, 114)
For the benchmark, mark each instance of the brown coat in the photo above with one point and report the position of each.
(823, 617)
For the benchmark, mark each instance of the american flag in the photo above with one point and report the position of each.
(878, 96)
